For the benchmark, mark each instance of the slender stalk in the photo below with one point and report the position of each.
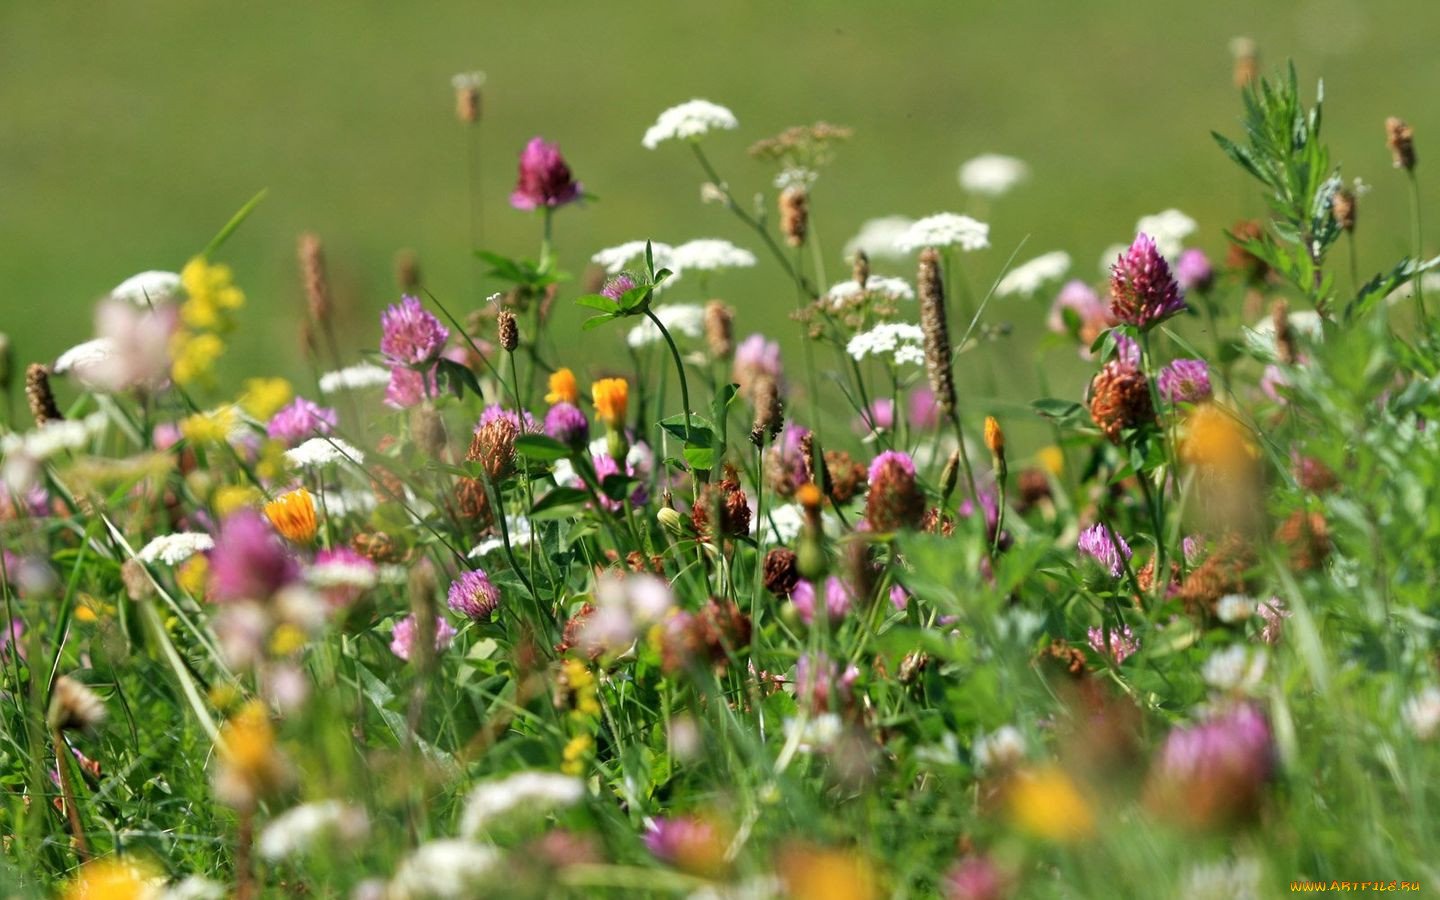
(684, 384)
(1419, 248)
(67, 794)
(244, 869)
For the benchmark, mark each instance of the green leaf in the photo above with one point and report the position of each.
(452, 376)
(594, 322)
(1059, 410)
(618, 487)
(560, 499)
(235, 222)
(598, 301)
(700, 428)
(540, 447)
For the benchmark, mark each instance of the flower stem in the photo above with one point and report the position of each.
(67, 794)
(684, 385)
(1419, 248)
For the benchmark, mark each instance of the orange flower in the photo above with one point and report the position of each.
(1047, 804)
(563, 388)
(1215, 439)
(612, 399)
(822, 873)
(293, 515)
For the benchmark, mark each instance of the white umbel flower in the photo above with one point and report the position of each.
(878, 237)
(1003, 748)
(322, 451)
(53, 437)
(782, 524)
(348, 501)
(1169, 229)
(679, 319)
(1237, 669)
(81, 356)
(444, 869)
(354, 378)
(1422, 713)
(615, 259)
(173, 549)
(195, 887)
(299, 829)
(885, 285)
(992, 174)
(708, 254)
(901, 342)
(1027, 278)
(520, 531)
(148, 288)
(340, 573)
(531, 794)
(688, 120)
(945, 230)
(1233, 608)
(1226, 880)
(815, 734)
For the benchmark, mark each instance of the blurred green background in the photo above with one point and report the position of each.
(133, 130)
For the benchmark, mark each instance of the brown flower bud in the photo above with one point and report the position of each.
(7, 363)
(1251, 267)
(407, 271)
(1305, 538)
(1400, 138)
(1342, 204)
(1247, 61)
(472, 502)
(508, 331)
(895, 501)
(494, 447)
(846, 477)
(467, 96)
(724, 502)
(427, 429)
(861, 270)
(312, 273)
(1223, 572)
(719, 330)
(794, 215)
(1285, 348)
(781, 574)
(377, 546)
(769, 410)
(39, 395)
(73, 706)
(931, 291)
(1120, 399)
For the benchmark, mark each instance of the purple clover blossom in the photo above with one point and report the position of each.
(605, 466)
(409, 388)
(412, 335)
(837, 600)
(402, 638)
(523, 421)
(975, 878)
(1098, 542)
(1127, 350)
(249, 561)
(924, 411)
(617, 286)
(301, 420)
(1079, 298)
(544, 179)
(1185, 381)
(755, 357)
(568, 425)
(1116, 644)
(879, 417)
(1143, 293)
(817, 677)
(474, 596)
(886, 460)
(1193, 270)
(673, 839)
(1233, 749)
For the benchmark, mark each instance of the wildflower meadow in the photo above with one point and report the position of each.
(675, 604)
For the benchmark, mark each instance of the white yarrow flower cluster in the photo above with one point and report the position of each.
(708, 254)
(520, 532)
(148, 288)
(900, 341)
(195, 887)
(322, 451)
(1169, 229)
(885, 285)
(446, 868)
(1233, 608)
(945, 230)
(680, 319)
(341, 573)
(992, 174)
(527, 794)
(349, 500)
(614, 259)
(815, 734)
(300, 829)
(879, 237)
(688, 120)
(1027, 278)
(23, 453)
(81, 356)
(781, 524)
(1236, 669)
(354, 378)
(464, 81)
(1003, 748)
(173, 549)
(1422, 713)
(1226, 880)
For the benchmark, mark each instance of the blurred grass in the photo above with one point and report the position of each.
(134, 130)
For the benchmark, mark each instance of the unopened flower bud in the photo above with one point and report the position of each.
(1342, 204)
(73, 706)
(1400, 138)
(1247, 61)
(720, 330)
(312, 273)
(508, 331)
(769, 411)
(407, 271)
(467, 96)
(949, 477)
(39, 395)
(810, 559)
(671, 520)
(995, 443)
(794, 215)
(427, 429)
(862, 269)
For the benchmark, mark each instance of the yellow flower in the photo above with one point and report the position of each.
(563, 388)
(1046, 803)
(286, 640)
(230, 497)
(193, 356)
(815, 873)
(213, 427)
(113, 878)
(575, 753)
(1052, 460)
(1214, 438)
(585, 702)
(193, 574)
(271, 464)
(251, 764)
(211, 293)
(263, 397)
(994, 436)
(612, 399)
(293, 515)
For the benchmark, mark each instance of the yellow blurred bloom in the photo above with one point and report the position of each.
(271, 464)
(1214, 438)
(563, 388)
(263, 397)
(293, 515)
(193, 356)
(1046, 803)
(816, 873)
(193, 574)
(210, 292)
(574, 754)
(230, 497)
(251, 764)
(286, 640)
(1052, 460)
(213, 427)
(612, 400)
(584, 690)
(114, 878)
